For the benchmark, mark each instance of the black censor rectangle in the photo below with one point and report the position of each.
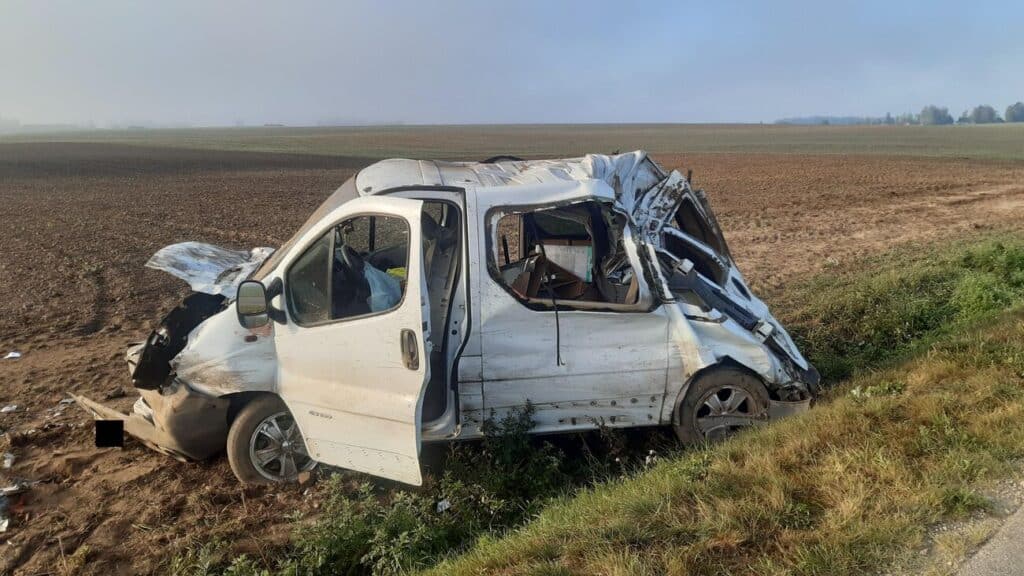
(109, 433)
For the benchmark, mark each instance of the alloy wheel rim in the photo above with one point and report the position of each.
(277, 450)
(724, 410)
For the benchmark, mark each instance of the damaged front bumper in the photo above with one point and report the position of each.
(176, 421)
(170, 416)
(778, 409)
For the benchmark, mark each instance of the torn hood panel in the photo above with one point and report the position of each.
(207, 268)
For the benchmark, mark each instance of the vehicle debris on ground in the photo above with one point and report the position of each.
(7, 501)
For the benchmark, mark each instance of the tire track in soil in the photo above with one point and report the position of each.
(99, 314)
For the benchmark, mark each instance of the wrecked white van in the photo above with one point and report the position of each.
(423, 297)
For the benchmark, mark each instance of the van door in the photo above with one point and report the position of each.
(352, 366)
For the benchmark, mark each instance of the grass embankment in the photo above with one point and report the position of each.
(848, 487)
(933, 406)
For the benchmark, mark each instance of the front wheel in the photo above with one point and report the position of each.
(720, 403)
(265, 445)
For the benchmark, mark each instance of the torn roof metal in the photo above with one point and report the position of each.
(624, 173)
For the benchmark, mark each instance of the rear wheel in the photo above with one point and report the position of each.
(720, 403)
(265, 445)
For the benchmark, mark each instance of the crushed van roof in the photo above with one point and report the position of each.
(627, 175)
(620, 171)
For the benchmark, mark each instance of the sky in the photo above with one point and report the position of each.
(199, 63)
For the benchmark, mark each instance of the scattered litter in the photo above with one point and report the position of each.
(8, 460)
(12, 355)
(5, 493)
(443, 505)
(118, 392)
(67, 401)
(16, 488)
(651, 458)
(886, 388)
(8, 409)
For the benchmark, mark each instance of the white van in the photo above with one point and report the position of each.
(422, 297)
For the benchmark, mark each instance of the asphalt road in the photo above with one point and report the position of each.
(1003, 554)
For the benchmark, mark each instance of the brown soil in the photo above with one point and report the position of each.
(785, 216)
(81, 219)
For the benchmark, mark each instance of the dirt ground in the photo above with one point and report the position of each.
(80, 220)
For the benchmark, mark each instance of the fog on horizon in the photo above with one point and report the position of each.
(196, 63)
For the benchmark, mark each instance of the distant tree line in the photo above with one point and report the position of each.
(929, 116)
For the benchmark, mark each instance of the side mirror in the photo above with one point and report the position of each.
(252, 304)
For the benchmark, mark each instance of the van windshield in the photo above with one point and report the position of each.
(344, 193)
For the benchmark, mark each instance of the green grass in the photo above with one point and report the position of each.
(892, 305)
(932, 406)
(998, 142)
(848, 488)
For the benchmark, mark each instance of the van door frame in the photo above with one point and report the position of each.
(449, 424)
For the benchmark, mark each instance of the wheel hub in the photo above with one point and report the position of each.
(724, 410)
(276, 449)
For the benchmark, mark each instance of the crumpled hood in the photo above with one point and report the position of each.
(207, 268)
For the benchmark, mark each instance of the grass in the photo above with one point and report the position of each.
(953, 546)
(851, 486)
(996, 142)
(931, 347)
(892, 305)
(846, 489)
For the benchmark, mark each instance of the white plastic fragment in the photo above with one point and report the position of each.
(8, 409)
(443, 505)
(66, 401)
(16, 488)
(12, 355)
(651, 458)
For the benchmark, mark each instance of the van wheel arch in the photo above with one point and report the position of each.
(238, 400)
(727, 369)
(724, 363)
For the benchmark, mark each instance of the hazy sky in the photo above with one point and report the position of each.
(218, 63)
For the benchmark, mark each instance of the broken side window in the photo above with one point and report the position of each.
(690, 220)
(705, 262)
(571, 253)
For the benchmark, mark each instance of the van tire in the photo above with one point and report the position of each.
(263, 409)
(733, 392)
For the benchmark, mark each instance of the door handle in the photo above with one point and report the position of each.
(410, 350)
